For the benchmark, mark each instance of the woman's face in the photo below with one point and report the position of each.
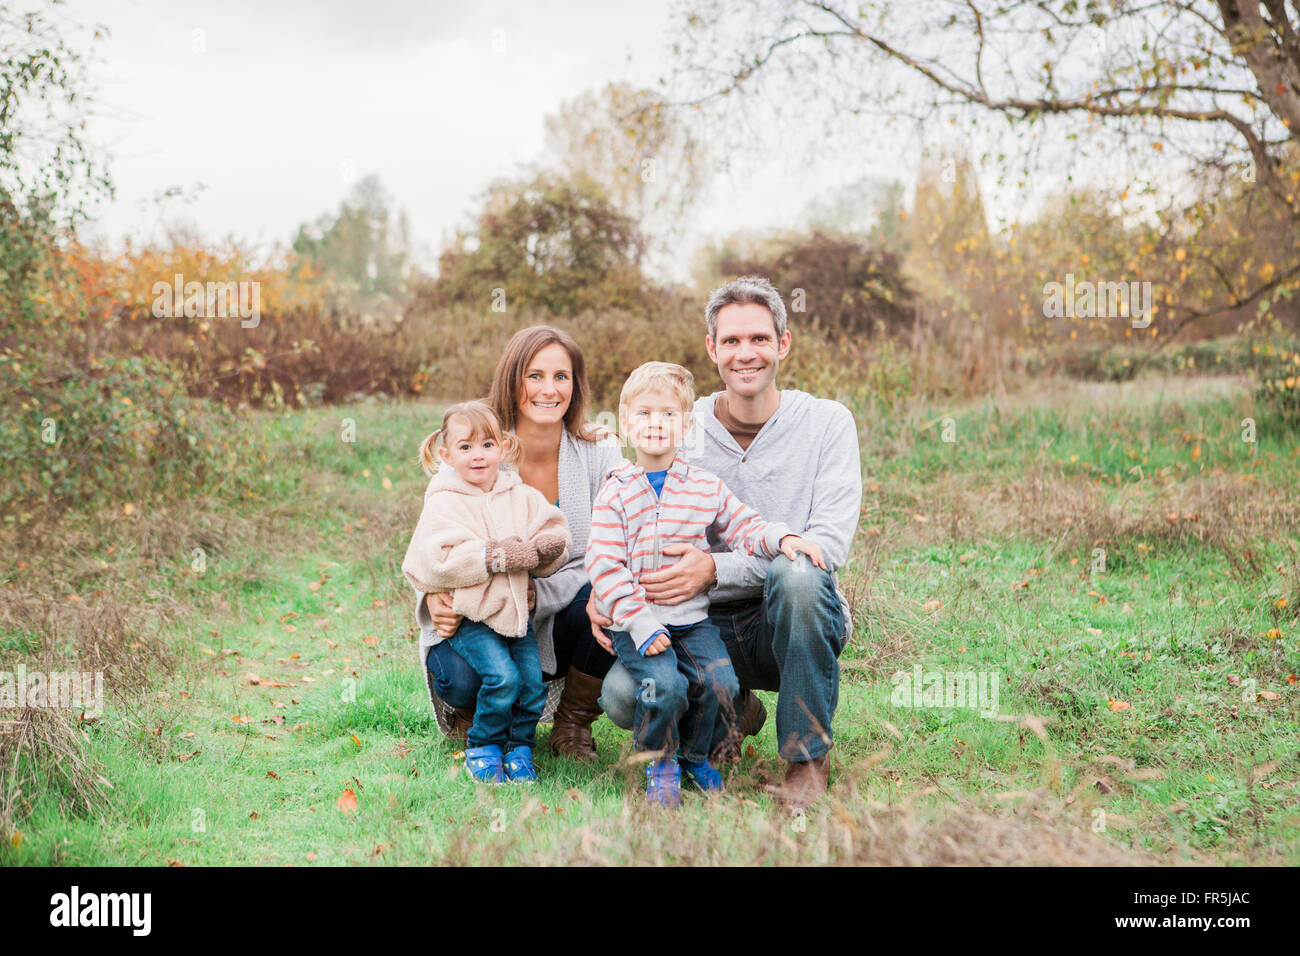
(548, 386)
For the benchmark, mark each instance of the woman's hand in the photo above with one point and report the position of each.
(599, 621)
(444, 618)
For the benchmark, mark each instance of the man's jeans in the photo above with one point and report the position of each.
(678, 694)
(788, 641)
(511, 693)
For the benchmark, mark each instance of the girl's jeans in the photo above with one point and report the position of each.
(511, 693)
(457, 684)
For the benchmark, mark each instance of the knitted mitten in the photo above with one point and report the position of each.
(510, 554)
(549, 547)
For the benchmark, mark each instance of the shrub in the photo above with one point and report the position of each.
(112, 429)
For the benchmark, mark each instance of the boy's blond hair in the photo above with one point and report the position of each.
(661, 377)
(483, 423)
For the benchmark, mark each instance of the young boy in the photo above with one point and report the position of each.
(673, 652)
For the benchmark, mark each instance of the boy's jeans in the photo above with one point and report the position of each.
(511, 695)
(789, 640)
(680, 692)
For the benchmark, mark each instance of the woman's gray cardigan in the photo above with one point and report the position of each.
(582, 468)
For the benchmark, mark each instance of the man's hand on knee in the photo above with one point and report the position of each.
(693, 574)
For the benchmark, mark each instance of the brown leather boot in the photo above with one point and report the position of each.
(461, 722)
(577, 711)
(805, 783)
(752, 717)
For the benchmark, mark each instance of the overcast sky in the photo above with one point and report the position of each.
(276, 107)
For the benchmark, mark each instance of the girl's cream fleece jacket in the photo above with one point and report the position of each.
(448, 549)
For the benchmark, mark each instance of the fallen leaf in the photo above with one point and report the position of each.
(181, 758)
(253, 815)
(241, 719)
(311, 856)
(1119, 706)
(347, 802)
(273, 775)
(356, 740)
(932, 605)
(1268, 695)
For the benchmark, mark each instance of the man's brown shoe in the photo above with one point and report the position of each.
(805, 783)
(577, 711)
(752, 717)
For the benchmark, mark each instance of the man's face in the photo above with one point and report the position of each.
(654, 422)
(746, 349)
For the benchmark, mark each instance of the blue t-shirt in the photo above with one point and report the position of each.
(656, 479)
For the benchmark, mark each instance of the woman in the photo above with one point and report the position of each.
(539, 391)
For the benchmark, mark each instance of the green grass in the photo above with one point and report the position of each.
(965, 562)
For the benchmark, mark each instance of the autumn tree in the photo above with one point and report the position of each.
(551, 242)
(50, 177)
(1215, 84)
(361, 254)
(638, 151)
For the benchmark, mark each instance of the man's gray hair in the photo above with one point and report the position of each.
(746, 290)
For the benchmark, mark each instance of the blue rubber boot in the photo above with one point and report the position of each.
(484, 764)
(703, 775)
(519, 765)
(663, 783)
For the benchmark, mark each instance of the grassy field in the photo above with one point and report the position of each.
(1115, 556)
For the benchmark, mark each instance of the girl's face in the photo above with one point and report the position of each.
(475, 459)
(548, 386)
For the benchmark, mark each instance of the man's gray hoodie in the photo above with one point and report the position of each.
(802, 469)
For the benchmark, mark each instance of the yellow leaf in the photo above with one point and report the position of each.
(1119, 706)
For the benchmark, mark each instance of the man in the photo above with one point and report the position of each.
(794, 458)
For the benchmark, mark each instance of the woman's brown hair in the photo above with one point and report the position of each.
(508, 381)
(483, 423)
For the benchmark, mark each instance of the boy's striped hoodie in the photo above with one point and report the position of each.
(630, 528)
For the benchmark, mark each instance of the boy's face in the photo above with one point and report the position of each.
(654, 422)
(474, 458)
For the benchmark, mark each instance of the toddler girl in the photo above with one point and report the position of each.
(481, 532)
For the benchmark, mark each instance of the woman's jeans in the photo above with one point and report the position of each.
(681, 691)
(457, 683)
(511, 693)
